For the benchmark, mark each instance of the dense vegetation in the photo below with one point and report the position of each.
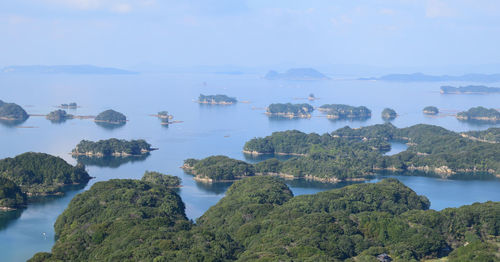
(469, 90)
(216, 99)
(112, 147)
(111, 116)
(389, 114)
(480, 113)
(38, 173)
(290, 110)
(58, 116)
(216, 168)
(11, 195)
(339, 111)
(161, 179)
(71, 105)
(356, 153)
(11, 111)
(491, 134)
(260, 220)
(430, 110)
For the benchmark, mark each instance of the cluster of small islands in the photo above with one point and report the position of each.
(259, 218)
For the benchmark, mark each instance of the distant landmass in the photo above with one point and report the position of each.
(65, 69)
(469, 90)
(296, 74)
(419, 77)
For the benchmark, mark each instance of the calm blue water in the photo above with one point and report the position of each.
(206, 131)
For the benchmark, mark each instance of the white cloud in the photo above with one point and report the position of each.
(437, 8)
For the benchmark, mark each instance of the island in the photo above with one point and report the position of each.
(11, 196)
(59, 116)
(296, 74)
(420, 77)
(12, 112)
(430, 110)
(218, 169)
(216, 99)
(111, 117)
(39, 174)
(311, 97)
(290, 110)
(71, 105)
(469, 90)
(112, 147)
(389, 114)
(259, 219)
(161, 179)
(356, 154)
(480, 113)
(65, 69)
(340, 111)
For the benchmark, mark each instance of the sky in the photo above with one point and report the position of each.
(252, 33)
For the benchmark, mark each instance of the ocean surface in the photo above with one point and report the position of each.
(206, 130)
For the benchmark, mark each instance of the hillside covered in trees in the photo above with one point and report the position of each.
(11, 195)
(112, 147)
(356, 153)
(59, 116)
(480, 113)
(430, 110)
(218, 168)
(41, 174)
(389, 114)
(260, 220)
(216, 99)
(111, 117)
(290, 110)
(12, 112)
(340, 111)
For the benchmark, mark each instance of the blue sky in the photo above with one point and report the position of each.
(128, 33)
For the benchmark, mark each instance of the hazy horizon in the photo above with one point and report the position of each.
(373, 37)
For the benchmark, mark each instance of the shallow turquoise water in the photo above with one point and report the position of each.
(206, 131)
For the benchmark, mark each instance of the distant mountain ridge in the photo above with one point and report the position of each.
(420, 77)
(296, 74)
(65, 69)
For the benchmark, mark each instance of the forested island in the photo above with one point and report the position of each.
(41, 174)
(480, 113)
(12, 112)
(216, 99)
(218, 168)
(111, 117)
(259, 219)
(112, 147)
(340, 111)
(290, 110)
(294, 74)
(430, 110)
(59, 116)
(469, 90)
(354, 154)
(71, 105)
(389, 114)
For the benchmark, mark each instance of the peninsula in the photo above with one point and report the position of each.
(480, 113)
(469, 90)
(111, 117)
(216, 99)
(340, 111)
(294, 74)
(112, 147)
(290, 110)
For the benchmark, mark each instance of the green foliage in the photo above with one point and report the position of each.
(340, 111)
(295, 110)
(431, 110)
(112, 146)
(389, 114)
(161, 179)
(480, 113)
(11, 111)
(260, 220)
(216, 99)
(58, 115)
(491, 134)
(11, 195)
(219, 168)
(38, 173)
(111, 116)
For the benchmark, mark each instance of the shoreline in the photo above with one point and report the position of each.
(114, 154)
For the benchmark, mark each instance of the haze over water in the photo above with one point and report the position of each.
(206, 130)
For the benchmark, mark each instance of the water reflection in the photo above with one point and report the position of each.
(479, 123)
(110, 161)
(7, 217)
(12, 123)
(109, 126)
